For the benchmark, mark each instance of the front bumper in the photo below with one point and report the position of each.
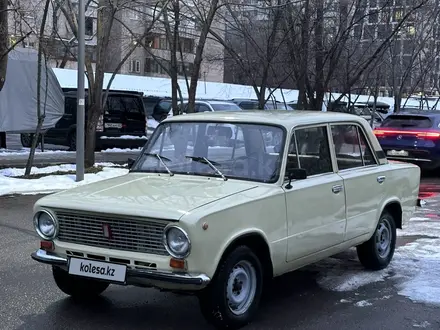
(140, 277)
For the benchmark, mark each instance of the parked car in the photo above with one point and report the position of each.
(123, 117)
(221, 219)
(211, 105)
(412, 137)
(249, 104)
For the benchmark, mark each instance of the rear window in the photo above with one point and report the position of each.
(225, 107)
(407, 121)
(128, 104)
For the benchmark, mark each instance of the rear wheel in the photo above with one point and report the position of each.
(27, 138)
(378, 251)
(232, 298)
(78, 287)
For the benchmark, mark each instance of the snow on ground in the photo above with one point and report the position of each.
(121, 150)
(14, 172)
(18, 152)
(124, 137)
(52, 183)
(414, 270)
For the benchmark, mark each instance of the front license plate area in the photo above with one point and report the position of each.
(97, 269)
(402, 153)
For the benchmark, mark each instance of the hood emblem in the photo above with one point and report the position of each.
(107, 231)
(399, 137)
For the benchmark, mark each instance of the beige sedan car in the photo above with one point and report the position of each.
(217, 204)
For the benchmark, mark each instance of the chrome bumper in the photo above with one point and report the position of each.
(139, 277)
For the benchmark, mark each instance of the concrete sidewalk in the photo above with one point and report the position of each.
(42, 159)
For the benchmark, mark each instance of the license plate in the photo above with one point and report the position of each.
(112, 125)
(98, 269)
(403, 153)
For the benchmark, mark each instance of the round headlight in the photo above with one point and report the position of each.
(177, 242)
(45, 225)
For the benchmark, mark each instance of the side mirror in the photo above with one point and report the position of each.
(131, 162)
(296, 174)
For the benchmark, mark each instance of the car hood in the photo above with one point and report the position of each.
(146, 195)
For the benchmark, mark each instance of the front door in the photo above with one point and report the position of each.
(364, 180)
(316, 205)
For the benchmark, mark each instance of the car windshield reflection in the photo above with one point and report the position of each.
(239, 151)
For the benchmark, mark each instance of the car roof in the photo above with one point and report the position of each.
(288, 119)
(215, 102)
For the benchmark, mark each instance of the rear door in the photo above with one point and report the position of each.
(62, 127)
(124, 115)
(365, 181)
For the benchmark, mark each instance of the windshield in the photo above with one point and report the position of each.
(225, 107)
(237, 151)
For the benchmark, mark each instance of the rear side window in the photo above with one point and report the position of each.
(407, 121)
(249, 105)
(127, 104)
(225, 107)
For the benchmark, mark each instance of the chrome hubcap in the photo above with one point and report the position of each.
(383, 238)
(241, 287)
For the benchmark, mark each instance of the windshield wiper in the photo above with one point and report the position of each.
(205, 160)
(161, 159)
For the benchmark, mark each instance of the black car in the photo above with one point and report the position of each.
(123, 117)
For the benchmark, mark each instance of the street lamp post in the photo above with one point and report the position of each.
(80, 118)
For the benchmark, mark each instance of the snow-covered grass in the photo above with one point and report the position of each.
(10, 184)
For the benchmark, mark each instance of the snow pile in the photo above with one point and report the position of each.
(25, 151)
(119, 150)
(124, 137)
(14, 172)
(53, 183)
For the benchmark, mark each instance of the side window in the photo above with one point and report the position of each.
(203, 108)
(311, 147)
(351, 147)
(248, 105)
(70, 106)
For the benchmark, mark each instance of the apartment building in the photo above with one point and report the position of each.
(131, 22)
(411, 61)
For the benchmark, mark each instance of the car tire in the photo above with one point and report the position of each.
(27, 138)
(239, 276)
(378, 251)
(78, 287)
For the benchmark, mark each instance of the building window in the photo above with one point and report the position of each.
(187, 45)
(89, 26)
(163, 44)
(134, 66)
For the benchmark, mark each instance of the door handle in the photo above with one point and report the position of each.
(337, 189)
(381, 179)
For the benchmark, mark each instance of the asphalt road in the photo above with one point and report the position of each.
(30, 299)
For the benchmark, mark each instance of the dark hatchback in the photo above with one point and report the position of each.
(412, 137)
(122, 124)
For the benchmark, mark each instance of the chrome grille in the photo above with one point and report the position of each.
(127, 234)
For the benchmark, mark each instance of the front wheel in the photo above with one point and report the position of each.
(232, 298)
(377, 252)
(78, 287)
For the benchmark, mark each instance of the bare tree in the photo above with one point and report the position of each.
(255, 43)
(325, 38)
(40, 114)
(108, 13)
